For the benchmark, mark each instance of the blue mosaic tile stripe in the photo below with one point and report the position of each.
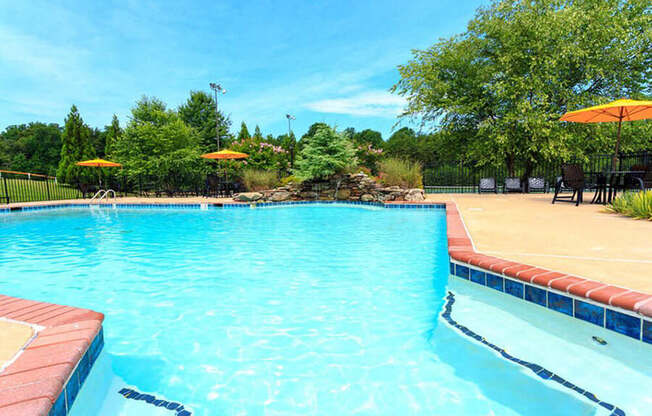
(647, 332)
(535, 368)
(613, 320)
(64, 402)
(622, 323)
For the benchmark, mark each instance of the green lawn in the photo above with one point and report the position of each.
(24, 190)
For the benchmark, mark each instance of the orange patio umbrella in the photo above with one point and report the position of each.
(619, 110)
(225, 154)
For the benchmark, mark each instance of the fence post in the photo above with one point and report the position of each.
(47, 187)
(6, 190)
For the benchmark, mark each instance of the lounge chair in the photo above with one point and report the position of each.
(487, 185)
(537, 185)
(572, 177)
(513, 185)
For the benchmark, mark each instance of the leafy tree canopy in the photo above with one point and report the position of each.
(33, 147)
(157, 143)
(497, 90)
(113, 133)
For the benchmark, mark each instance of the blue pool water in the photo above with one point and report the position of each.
(325, 310)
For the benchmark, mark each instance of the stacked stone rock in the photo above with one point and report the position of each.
(348, 187)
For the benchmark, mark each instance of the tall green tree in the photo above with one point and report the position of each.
(243, 134)
(326, 153)
(198, 112)
(497, 90)
(33, 148)
(75, 147)
(112, 132)
(257, 133)
(157, 145)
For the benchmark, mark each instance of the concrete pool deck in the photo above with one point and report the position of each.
(584, 241)
(14, 336)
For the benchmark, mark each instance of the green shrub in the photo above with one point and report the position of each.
(258, 180)
(290, 179)
(400, 172)
(633, 204)
(326, 153)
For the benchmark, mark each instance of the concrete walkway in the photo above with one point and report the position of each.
(585, 240)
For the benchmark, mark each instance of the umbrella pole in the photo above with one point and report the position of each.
(615, 159)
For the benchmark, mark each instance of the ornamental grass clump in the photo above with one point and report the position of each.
(258, 180)
(400, 172)
(633, 204)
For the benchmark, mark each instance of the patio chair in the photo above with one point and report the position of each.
(86, 188)
(212, 186)
(512, 185)
(572, 177)
(537, 184)
(487, 185)
(642, 180)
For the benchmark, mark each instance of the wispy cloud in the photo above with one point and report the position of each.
(370, 103)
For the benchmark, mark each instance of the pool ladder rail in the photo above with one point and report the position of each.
(102, 194)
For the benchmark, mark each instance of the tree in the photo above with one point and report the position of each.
(243, 134)
(75, 147)
(112, 132)
(158, 145)
(33, 147)
(257, 134)
(98, 141)
(198, 112)
(326, 153)
(497, 91)
(368, 137)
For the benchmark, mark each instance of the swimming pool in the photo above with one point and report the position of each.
(303, 310)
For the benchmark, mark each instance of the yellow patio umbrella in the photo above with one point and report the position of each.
(99, 163)
(225, 154)
(619, 110)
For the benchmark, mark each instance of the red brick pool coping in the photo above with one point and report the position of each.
(34, 380)
(32, 383)
(460, 248)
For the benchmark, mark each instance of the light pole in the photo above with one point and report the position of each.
(290, 118)
(217, 88)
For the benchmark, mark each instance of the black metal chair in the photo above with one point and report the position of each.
(537, 184)
(512, 185)
(642, 180)
(572, 177)
(487, 185)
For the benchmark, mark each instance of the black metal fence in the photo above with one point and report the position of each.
(28, 187)
(464, 177)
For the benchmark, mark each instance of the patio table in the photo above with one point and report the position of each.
(608, 182)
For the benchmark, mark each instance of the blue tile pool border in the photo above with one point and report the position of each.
(66, 399)
(206, 205)
(614, 319)
(540, 371)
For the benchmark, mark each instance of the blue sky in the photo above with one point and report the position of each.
(330, 61)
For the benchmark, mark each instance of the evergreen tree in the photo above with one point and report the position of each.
(244, 132)
(257, 134)
(113, 132)
(326, 153)
(75, 147)
(199, 113)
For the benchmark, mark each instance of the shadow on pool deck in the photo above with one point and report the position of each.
(585, 240)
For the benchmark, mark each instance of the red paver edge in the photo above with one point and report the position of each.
(46, 375)
(462, 250)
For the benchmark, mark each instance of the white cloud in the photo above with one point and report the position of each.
(371, 103)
